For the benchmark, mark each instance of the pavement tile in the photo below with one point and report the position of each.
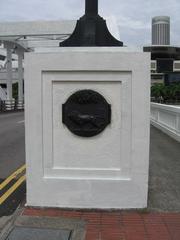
(113, 236)
(122, 225)
(92, 236)
(155, 226)
(152, 218)
(172, 222)
(157, 231)
(52, 213)
(139, 233)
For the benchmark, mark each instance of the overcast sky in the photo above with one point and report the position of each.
(133, 16)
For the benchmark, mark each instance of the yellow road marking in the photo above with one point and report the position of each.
(12, 176)
(12, 189)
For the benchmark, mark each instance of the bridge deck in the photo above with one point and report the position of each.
(164, 179)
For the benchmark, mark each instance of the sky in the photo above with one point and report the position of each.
(133, 16)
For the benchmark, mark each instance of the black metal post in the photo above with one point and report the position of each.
(91, 7)
(91, 30)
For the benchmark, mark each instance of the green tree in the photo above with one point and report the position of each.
(170, 93)
(158, 91)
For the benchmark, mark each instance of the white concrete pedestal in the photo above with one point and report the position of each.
(109, 170)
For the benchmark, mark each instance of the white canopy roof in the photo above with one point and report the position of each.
(30, 35)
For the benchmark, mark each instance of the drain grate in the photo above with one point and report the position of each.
(24, 233)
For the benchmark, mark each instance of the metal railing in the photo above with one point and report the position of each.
(11, 105)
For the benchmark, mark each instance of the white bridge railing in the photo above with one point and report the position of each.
(167, 119)
(11, 105)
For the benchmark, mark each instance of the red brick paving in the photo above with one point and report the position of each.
(120, 225)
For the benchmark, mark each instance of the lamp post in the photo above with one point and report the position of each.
(91, 30)
(91, 7)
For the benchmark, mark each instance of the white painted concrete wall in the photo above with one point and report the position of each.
(167, 119)
(109, 170)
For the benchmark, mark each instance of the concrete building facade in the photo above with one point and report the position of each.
(165, 58)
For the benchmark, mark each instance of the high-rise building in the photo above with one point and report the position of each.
(165, 58)
(161, 30)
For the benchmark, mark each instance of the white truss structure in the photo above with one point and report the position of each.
(20, 37)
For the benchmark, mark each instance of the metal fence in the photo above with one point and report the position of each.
(11, 105)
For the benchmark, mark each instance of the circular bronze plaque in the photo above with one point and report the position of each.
(86, 113)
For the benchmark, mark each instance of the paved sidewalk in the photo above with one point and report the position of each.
(164, 173)
(119, 225)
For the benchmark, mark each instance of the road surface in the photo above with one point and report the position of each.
(12, 157)
(12, 143)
